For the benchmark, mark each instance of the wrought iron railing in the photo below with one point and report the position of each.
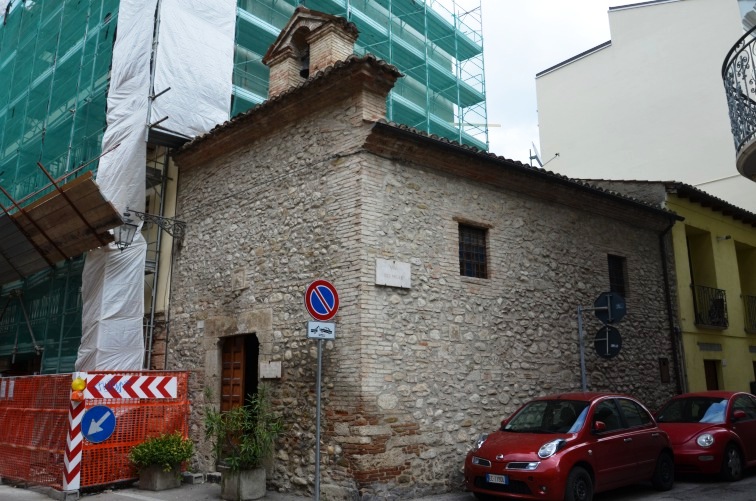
(710, 306)
(749, 307)
(739, 77)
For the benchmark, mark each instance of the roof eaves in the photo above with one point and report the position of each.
(640, 4)
(701, 197)
(586, 53)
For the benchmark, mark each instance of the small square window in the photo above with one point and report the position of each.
(472, 252)
(618, 275)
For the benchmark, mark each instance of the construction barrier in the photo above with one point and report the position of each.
(46, 438)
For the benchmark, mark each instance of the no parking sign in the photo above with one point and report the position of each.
(321, 300)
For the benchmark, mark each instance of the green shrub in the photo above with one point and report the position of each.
(244, 436)
(166, 451)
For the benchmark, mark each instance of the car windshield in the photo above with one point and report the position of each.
(549, 416)
(693, 410)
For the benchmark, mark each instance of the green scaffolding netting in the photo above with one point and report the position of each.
(55, 58)
(54, 65)
(437, 44)
(41, 319)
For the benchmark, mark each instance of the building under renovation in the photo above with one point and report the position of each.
(103, 90)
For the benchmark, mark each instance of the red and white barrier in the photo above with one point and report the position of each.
(74, 445)
(115, 386)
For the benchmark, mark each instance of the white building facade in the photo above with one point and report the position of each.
(649, 104)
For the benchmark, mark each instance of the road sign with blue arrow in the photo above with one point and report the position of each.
(98, 423)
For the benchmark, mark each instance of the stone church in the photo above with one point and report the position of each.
(459, 274)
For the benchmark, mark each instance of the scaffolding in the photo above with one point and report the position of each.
(55, 61)
(54, 69)
(437, 44)
(43, 311)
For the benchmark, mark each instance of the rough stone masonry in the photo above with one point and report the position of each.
(311, 185)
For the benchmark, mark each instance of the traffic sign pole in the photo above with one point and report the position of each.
(322, 303)
(317, 423)
(583, 383)
(581, 336)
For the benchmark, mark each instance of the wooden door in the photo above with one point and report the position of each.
(232, 373)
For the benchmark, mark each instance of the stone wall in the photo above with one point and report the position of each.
(447, 359)
(414, 375)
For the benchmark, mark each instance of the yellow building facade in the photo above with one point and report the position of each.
(714, 277)
(715, 268)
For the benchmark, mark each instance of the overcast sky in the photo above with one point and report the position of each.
(522, 38)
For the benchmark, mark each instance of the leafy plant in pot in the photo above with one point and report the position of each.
(159, 460)
(243, 438)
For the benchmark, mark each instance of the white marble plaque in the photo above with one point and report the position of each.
(270, 370)
(393, 273)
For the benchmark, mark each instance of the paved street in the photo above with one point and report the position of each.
(686, 489)
(690, 489)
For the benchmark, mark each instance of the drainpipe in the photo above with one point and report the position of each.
(168, 306)
(674, 330)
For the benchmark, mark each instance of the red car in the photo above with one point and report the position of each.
(712, 432)
(568, 447)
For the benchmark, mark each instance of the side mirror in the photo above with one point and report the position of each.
(599, 426)
(738, 415)
(504, 422)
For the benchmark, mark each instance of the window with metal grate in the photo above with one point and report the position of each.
(473, 257)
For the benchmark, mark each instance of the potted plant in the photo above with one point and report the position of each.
(159, 460)
(242, 439)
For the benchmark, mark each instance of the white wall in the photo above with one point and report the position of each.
(652, 104)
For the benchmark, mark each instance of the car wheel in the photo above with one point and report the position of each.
(664, 474)
(579, 485)
(732, 464)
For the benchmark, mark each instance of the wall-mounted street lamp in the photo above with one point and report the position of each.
(124, 234)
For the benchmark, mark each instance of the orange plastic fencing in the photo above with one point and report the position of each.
(34, 426)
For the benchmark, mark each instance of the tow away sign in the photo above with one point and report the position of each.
(321, 330)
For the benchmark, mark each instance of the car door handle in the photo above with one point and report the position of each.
(654, 435)
(628, 440)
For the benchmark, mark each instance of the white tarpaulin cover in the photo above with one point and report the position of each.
(112, 337)
(112, 290)
(195, 53)
(195, 58)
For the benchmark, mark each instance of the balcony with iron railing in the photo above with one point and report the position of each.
(710, 306)
(739, 77)
(749, 309)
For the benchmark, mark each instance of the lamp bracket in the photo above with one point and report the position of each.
(172, 226)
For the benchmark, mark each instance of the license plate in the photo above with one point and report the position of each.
(497, 479)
